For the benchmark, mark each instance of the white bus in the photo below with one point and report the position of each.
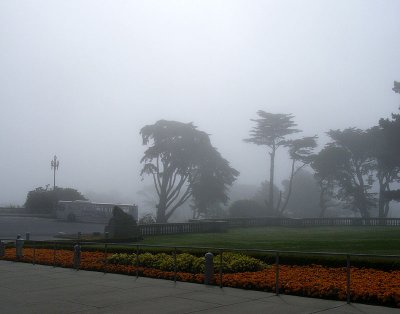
(85, 211)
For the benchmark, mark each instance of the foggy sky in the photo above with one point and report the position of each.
(80, 78)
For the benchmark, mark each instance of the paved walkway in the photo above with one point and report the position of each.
(26, 288)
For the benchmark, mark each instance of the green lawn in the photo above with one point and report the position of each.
(372, 240)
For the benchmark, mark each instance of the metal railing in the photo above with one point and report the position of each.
(136, 248)
(184, 227)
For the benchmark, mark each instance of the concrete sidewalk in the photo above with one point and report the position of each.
(26, 288)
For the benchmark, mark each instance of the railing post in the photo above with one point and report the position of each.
(54, 254)
(175, 265)
(19, 245)
(137, 261)
(105, 252)
(348, 278)
(34, 254)
(220, 267)
(2, 249)
(208, 268)
(77, 256)
(277, 273)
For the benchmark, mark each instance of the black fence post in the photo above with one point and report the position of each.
(208, 268)
(277, 273)
(175, 265)
(77, 256)
(348, 278)
(105, 252)
(220, 267)
(19, 246)
(2, 249)
(54, 254)
(137, 261)
(34, 253)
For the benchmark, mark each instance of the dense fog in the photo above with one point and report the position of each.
(79, 79)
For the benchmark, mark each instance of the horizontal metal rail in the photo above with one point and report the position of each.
(137, 247)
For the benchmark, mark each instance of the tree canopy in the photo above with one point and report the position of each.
(43, 199)
(183, 163)
(353, 169)
(272, 130)
(396, 87)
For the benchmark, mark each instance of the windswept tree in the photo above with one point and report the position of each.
(330, 166)
(386, 155)
(385, 149)
(271, 130)
(179, 159)
(396, 87)
(355, 177)
(210, 183)
(44, 199)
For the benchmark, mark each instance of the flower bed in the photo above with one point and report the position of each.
(367, 285)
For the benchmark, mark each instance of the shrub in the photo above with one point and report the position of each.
(187, 262)
(231, 262)
(122, 225)
(236, 262)
(122, 259)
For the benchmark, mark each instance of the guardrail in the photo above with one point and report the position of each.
(105, 248)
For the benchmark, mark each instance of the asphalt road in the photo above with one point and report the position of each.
(43, 228)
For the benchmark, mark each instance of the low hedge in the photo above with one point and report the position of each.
(231, 262)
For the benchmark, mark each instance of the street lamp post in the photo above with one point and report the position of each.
(54, 165)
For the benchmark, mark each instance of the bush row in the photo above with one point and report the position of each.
(231, 262)
(386, 264)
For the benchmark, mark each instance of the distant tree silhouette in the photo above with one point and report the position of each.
(261, 196)
(271, 130)
(43, 199)
(183, 162)
(354, 177)
(210, 183)
(385, 149)
(304, 199)
(329, 166)
(396, 87)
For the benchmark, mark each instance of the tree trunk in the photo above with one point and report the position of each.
(289, 190)
(161, 219)
(383, 203)
(362, 203)
(322, 202)
(271, 181)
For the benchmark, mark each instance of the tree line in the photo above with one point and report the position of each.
(184, 165)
